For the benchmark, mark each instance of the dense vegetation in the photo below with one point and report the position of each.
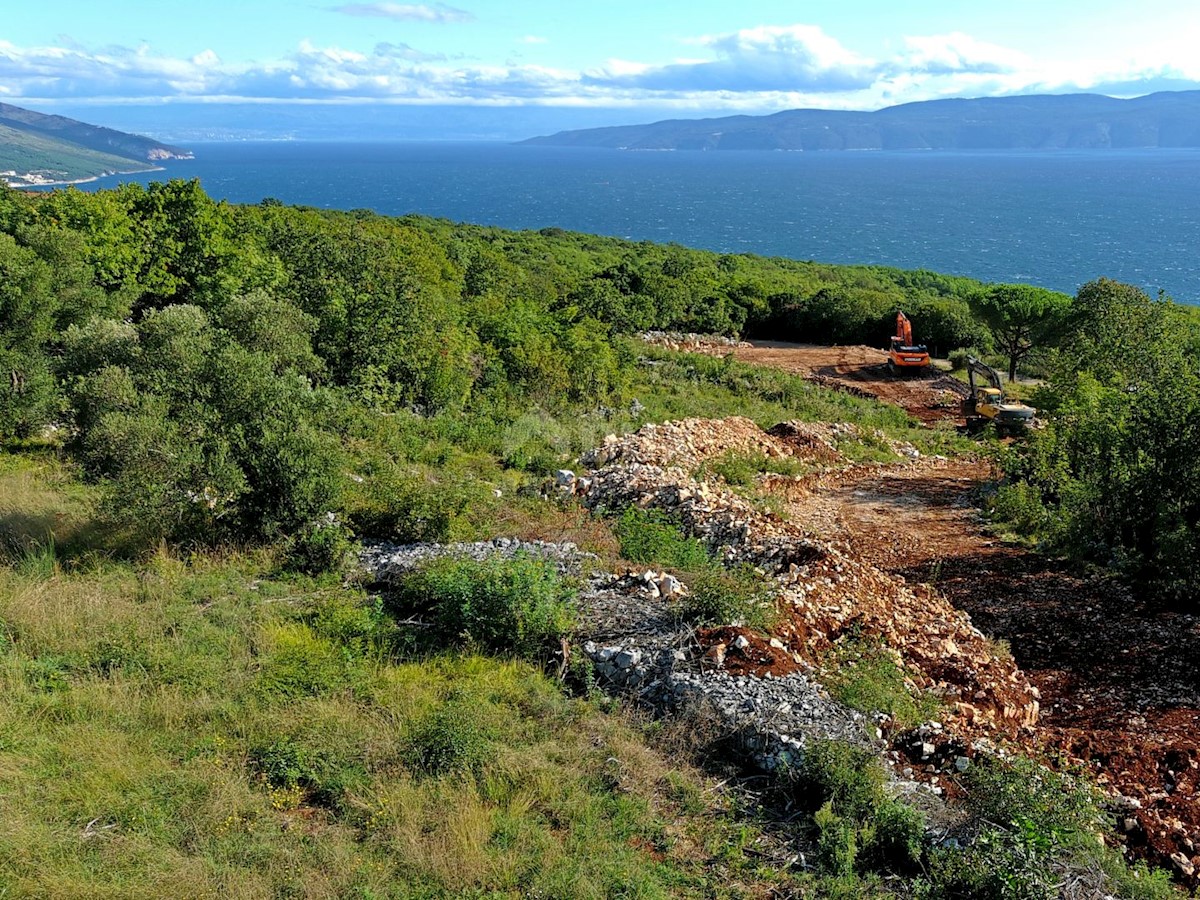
(223, 370)
(1114, 477)
(201, 405)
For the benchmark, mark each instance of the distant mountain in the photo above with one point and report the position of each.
(1034, 122)
(36, 148)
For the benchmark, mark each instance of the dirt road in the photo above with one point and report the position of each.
(1119, 676)
(1119, 679)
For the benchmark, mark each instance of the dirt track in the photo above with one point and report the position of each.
(1119, 678)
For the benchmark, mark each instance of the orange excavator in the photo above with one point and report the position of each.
(904, 356)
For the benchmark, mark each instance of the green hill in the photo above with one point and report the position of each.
(39, 149)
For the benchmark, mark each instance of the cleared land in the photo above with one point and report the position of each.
(1119, 677)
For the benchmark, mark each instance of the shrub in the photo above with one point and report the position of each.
(848, 777)
(858, 828)
(1019, 505)
(866, 677)
(321, 546)
(408, 508)
(451, 738)
(1022, 795)
(742, 470)
(837, 841)
(738, 596)
(322, 774)
(958, 358)
(519, 605)
(896, 841)
(649, 536)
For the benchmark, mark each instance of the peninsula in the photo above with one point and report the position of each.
(39, 149)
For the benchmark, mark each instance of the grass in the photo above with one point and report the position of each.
(864, 675)
(214, 725)
(209, 727)
(460, 475)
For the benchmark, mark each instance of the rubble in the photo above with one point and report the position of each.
(689, 342)
(632, 633)
(826, 589)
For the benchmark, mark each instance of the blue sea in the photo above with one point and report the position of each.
(1056, 219)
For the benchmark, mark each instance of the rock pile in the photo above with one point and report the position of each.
(631, 631)
(689, 342)
(826, 590)
(385, 562)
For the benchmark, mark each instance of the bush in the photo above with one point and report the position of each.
(739, 596)
(649, 536)
(1019, 505)
(519, 605)
(866, 677)
(1020, 794)
(321, 546)
(858, 828)
(322, 775)
(848, 777)
(1032, 814)
(450, 739)
(742, 470)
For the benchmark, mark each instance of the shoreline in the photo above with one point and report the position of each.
(22, 184)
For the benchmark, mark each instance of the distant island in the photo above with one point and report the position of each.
(39, 149)
(1034, 122)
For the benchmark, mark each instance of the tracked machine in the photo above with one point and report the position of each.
(904, 356)
(987, 402)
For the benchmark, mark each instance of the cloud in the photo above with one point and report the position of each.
(409, 12)
(760, 69)
(943, 54)
(768, 58)
(532, 39)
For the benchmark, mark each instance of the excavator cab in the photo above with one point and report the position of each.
(903, 354)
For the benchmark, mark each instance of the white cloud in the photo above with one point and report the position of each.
(767, 58)
(415, 12)
(533, 39)
(755, 69)
(958, 52)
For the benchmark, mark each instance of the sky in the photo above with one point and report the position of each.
(729, 56)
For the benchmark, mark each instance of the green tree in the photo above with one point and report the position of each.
(1021, 317)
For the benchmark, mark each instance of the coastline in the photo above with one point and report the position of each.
(28, 180)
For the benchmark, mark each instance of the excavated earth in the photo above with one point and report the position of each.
(1118, 676)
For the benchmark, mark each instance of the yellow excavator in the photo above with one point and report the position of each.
(987, 402)
(903, 355)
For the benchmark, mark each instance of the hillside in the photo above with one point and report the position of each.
(1038, 122)
(38, 149)
(353, 556)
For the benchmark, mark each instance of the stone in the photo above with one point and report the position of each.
(670, 586)
(564, 477)
(1183, 865)
(741, 642)
(627, 658)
